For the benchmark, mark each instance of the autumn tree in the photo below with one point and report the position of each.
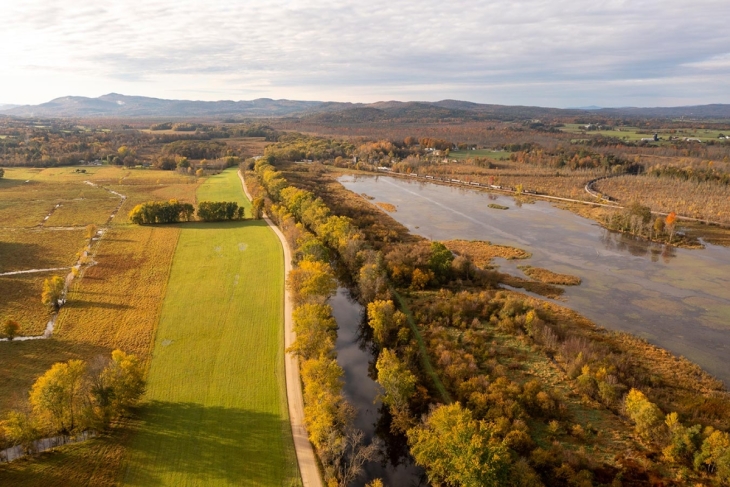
(57, 397)
(21, 428)
(398, 385)
(11, 329)
(682, 439)
(312, 281)
(456, 449)
(125, 377)
(646, 416)
(714, 455)
(383, 318)
(670, 223)
(53, 291)
(257, 208)
(90, 231)
(316, 330)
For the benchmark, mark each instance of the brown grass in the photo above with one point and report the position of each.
(482, 252)
(549, 277)
(386, 206)
(707, 201)
(115, 305)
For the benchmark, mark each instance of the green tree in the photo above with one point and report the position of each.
(53, 291)
(440, 260)
(2, 172)
(456, 449)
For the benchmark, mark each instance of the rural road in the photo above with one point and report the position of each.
(305, 454)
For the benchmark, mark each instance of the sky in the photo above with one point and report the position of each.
(559, 53)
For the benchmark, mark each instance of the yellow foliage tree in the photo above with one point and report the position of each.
(57, 397)
(52, 291)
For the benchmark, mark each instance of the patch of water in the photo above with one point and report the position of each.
(355, 356)
(676, 298)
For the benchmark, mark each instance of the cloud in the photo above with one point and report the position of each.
(528, 52)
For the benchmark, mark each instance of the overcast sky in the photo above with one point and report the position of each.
(557, 53)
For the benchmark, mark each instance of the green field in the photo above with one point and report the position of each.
(225, 186)
(634, 134)
(468, 154)
(215, 411)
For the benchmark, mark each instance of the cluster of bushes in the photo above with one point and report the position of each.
(706, 449)
(73, 397)
(173, 211)
(637, 220)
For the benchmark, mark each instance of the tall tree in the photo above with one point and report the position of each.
(456, 449)
(52, 291)
(57, 397)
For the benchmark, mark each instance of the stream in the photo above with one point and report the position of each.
(678, 299)
(354, 355)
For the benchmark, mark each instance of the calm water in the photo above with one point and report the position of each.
(355, 357)
(678, 299)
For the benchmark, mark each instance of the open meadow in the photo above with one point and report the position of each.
(215, 411)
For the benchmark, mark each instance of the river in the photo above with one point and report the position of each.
(355, 356)
(678, 299)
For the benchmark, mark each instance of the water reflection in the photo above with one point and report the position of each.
(355, 355)
(637, 246)
(676, 298)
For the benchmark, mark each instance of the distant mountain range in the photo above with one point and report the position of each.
(122, 106)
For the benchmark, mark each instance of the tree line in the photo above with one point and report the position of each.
(174, 211)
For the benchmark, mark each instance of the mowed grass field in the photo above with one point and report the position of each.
(225, 186)
(215, 411)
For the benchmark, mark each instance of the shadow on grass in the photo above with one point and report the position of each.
(188, 443)
(81, 304)
(213, 225)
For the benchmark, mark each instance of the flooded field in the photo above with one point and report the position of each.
(678, 299)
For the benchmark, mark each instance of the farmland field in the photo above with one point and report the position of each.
(224, 187)
(469, 154)
(215, 411)
(116, 304)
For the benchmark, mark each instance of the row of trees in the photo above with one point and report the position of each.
(76, 396)
(174, 211)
